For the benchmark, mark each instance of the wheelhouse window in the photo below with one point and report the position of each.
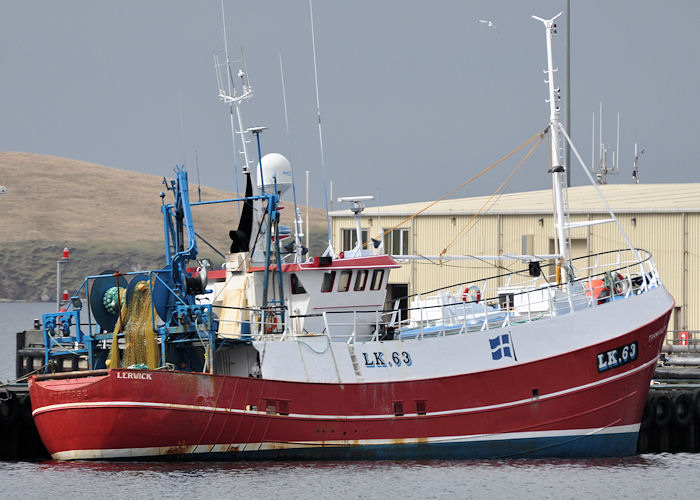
(396, 242)
(344, 281)
(350, 238)
(361, 280)
(377, 278)
(297, 287)
(328, 279)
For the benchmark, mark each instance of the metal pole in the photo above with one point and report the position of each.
(568, 91)
(307, 210)
(557, 169)
(58, 285)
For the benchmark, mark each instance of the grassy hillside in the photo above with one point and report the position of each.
(108, 218)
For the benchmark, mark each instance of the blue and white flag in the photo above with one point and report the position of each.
(500, 347)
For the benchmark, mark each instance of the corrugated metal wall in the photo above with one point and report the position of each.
(673, 239)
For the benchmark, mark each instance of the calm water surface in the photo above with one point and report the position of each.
(647, 476)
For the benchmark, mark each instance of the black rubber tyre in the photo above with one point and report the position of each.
(648, 415)
(683, 409)
(9, 410)
(663, 411)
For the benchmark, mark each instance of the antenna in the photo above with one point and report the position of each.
(592, 144)
(307, 209)
(230, 96)
(329, 250)
(600, 138)
(602, 171)
(635, 170)
(379, 226)
(182, 124)
(616, 163)
(297, 213)
(199, 185)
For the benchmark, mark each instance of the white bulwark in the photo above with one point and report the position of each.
(661, 218)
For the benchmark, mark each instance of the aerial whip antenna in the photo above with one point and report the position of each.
(329, 250)
(297, 213)
(199, 185)
(230, 95)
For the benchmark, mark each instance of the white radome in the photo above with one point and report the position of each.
(275, 167)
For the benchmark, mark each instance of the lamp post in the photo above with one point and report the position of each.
(64, 258)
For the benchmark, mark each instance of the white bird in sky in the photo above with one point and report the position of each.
(489, 24)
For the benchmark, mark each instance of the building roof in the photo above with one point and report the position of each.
(622, 198)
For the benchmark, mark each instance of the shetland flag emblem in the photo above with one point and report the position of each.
(500, 347)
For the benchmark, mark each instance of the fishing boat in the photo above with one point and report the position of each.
(280, 356)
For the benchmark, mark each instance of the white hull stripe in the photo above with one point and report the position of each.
(265, 446)
(172, 406)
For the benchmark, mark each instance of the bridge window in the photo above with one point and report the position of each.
(377, 278)
(328, 279)
(361, 280)
(297, 287)
(344, 281)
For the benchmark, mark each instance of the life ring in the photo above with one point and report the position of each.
(620, 284)
(467, 295)
(271, 323)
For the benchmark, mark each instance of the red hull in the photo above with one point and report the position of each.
(545, 403)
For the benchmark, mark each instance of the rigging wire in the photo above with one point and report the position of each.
(473, 217)
(473, 178)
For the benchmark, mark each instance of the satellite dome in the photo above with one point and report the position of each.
(275, 168)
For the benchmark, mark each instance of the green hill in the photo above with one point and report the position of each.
(108, 218)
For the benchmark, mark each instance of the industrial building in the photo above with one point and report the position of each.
(661, 218)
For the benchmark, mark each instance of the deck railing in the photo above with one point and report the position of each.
(506, 299)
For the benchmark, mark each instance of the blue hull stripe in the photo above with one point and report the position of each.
(582, 446)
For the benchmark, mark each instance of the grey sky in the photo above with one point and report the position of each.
(415, 96)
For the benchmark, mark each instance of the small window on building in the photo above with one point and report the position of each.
(420, 407)
(328, 279)
(398, 408)
(297, 287)
(361, 280)
(350, 238)
(396, 242)
(344, 281)
(377, 278)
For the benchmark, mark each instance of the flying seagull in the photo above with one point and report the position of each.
(489, 24)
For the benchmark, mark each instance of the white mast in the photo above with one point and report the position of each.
(230, 94)
(558, 170)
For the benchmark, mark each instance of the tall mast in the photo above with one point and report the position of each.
(558, 171)
(230, 95)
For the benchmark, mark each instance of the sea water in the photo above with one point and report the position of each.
(645, 476)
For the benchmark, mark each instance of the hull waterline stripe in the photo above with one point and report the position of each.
(173, 406)
(277, 445)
